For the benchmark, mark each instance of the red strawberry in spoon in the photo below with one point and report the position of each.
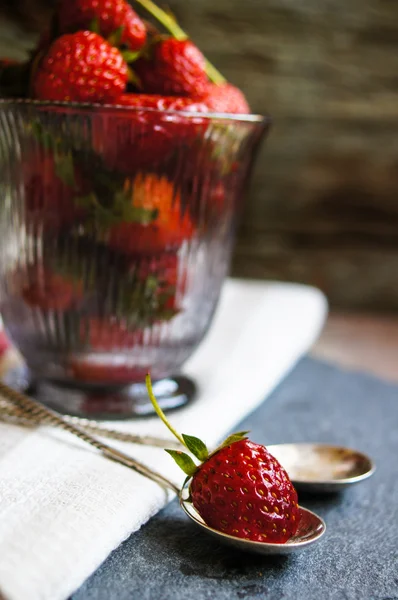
(239, 489)
(242, 490)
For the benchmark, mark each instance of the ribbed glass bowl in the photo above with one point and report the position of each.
(116, 230)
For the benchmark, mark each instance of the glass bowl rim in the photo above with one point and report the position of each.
(120, 109)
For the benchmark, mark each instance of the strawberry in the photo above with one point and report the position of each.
(163, 266)
(49, 291)
(161, 102)
(172, 283)
(110, 16)
(240, 489)
(225, 98)
(213, 199)
(145, 139)
(217, 197)
(4, 343)
(98, 370)
(49, 200)
(147, 294)
(105, 334)
(174, 68)
(167, 231)
(80, 67)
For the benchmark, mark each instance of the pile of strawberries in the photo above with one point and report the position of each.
(101, 51)
(141, 186)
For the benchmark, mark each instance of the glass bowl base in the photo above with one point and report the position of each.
(110, 403)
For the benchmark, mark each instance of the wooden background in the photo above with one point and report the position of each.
(323, 207)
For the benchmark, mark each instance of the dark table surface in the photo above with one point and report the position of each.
(169, 559)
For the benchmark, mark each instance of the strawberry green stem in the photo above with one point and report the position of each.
(213, 74)
(159, 411)
(166, 20)
(179, 34)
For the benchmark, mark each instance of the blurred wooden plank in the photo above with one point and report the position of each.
(352, 274)
(361, 341)
(323, 205)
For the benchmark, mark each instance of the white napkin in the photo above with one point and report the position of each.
(64, 508)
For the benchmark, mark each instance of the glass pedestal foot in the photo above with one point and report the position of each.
(108, 403)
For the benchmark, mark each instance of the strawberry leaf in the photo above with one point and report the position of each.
(130, 56)
(115, 39)
(133, 78)
(184, 461)
(196, 446)
(94, 26)
(121, 210)
(44, 138)
(235, 437)
(64, 169)
(142, 300)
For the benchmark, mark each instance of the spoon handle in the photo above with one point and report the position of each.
(37, 411)
(12, 413)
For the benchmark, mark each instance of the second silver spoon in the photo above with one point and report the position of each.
(323, 468)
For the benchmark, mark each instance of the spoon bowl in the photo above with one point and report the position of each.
(322, 468)
(311, 528)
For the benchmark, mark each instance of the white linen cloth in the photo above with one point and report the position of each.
(64, 508)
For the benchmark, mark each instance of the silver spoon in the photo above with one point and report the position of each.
(311, 526)
(322, 468)
(10, 413)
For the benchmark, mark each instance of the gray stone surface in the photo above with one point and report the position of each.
(358, 558)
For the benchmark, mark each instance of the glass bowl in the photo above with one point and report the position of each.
(116, 231)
